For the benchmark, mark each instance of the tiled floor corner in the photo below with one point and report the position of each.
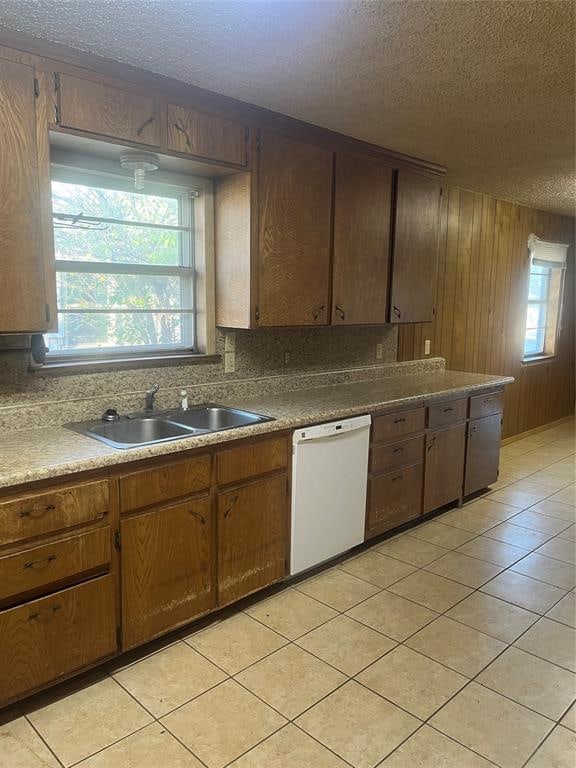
(452, 645)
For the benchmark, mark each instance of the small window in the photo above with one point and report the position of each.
(124, 267)
(545, 287)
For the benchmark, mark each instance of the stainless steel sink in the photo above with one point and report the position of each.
(215, 418)
(151, 428)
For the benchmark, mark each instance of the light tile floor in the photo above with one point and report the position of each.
(452, 645)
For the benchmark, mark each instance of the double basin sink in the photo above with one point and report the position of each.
(150, 428)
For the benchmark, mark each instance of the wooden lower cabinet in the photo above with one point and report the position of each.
(166, 569)
(482, 453)
(252, 525)
(46, 639)
(394, 498)
(444, 466)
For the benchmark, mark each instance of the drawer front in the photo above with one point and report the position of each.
(195, 133)
(391, 455)
(29, 516)
(153, 486)
(30, 571)
(397, 424)
(447, 413)
(393, 499)
(45, 639)
(486, 405)
(251, 461)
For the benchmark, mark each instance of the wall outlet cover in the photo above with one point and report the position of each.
(229, 362)
(379, 351)
(230, 342)
(427, 347)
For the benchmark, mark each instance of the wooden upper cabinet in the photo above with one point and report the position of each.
(214, 138)
(85, 105)
(22, 279)
(415, 247)
(362, 207)
(295, 201)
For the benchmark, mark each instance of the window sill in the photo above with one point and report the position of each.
(540, 360)
(61, 367)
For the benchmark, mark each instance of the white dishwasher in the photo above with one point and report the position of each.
(329, 477)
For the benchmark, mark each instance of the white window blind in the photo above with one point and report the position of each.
(545, 254)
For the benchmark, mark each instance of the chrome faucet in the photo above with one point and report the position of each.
(149, 398)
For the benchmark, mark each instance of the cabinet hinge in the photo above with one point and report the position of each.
(247, 133)
(257, 313)
(56, 80)
(258, 144)
(57, 114)
(117, 542)
(36, 87)
(119, 636)
(47, 312)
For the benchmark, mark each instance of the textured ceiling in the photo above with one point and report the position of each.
(485, 87)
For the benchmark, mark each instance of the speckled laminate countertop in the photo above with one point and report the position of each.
(30, 455)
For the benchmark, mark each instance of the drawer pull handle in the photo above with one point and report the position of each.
(431, 444)
(30, 512)
(184, 132)
(397, 477)
(447, 410)
(488, 400)
(398, 450)
(399, 421)
(339, 311)
(198, 516)
(145, 124)
(46, 560)
(52, 611)
(230, 506)
(317, 312)
(397, 311)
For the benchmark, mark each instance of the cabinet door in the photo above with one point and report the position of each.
(393, 499)
(195, 133)
(166, 569)
(45, 639)
(97, 108)
(363, 193)
(415, 251)
(22, 280)
(295, 201)
(251, 537)
(444, 471)
(482, 453)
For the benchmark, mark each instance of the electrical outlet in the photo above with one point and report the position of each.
(229, 362)
(230, 342)
(427, 347)
(379, 351)
(287, 357)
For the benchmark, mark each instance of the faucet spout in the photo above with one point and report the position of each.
(149, 398)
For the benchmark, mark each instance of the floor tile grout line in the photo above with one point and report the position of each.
(43, 740)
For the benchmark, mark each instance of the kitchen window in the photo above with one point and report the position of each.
(544, 307)
(125, 264)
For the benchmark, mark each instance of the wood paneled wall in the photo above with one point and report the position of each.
(481, 305)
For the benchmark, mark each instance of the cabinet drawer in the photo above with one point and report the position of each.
(391, 455)
(447, 413)
(393, 499)
(28, 516)
(250, 461)
(486, 405)
(153, 486)
(396, 424)
(29, 571)
(101, 109)
(195, 133)
(45, 639)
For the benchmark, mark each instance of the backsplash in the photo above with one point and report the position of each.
(317, 356)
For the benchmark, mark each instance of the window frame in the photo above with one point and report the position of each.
(553, 310)
(198, 270)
